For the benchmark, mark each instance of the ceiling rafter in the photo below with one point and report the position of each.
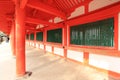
(59, 5)
(45, 8)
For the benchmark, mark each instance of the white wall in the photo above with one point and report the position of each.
(27, 43)
(95, 4)
(57, 20)
(48, 48)
(78, 56)
(59, 51)
(105, 62)
(41, 46)
(33, 44)
(37, 45)
(30, 43)
(78, 11)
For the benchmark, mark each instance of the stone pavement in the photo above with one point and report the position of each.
(46, 66)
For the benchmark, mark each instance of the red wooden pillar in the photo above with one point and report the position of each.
(64, 40)
(12, 39)
(68, 35)
(35, 39)
(86, 58)
(29, 38)
(116, 28)
(20, 41)
(44, 38)
(86, 8)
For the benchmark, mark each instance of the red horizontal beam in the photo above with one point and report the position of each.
(38, 21)
(30, 27)
(45, 8)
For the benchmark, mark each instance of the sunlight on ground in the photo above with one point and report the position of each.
(5, 51)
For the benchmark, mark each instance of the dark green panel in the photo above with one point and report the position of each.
(32, 36)
(39, 36)
(54, 36)
(99, 33)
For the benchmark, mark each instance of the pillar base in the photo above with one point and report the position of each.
(27, 74)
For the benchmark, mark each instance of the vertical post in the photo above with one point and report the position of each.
(86, 8)
(35, 39)
(44, 38)
(86, 58)
(29, 39)
(64, 39)
(20, 41)
(12, 39)
(116, 28)
(68, 35)
(118, 31)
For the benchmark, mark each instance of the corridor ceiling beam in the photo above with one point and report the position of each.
(45, 8)
(38, 21)
(23, 3)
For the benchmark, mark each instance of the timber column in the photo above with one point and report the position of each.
(12, 39)
(20, 41)
(35, 39)
(64, 39)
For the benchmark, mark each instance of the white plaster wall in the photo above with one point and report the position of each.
(49, 48)
(78, 11)
(30, 43)
(96, 4)
(37, 45)
(41, 46)
(119, 31)
(58, 51)
(78, 56)
(27, 42)
(105, 62)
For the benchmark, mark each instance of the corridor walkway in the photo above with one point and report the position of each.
(46, 66)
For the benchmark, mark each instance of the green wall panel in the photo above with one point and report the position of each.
(32, 36)
(39, 36)
(54, 36)
(99, 33)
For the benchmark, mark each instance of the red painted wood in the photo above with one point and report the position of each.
(116, 31)
(86, 58)
(29, 39)
(38, 21)
(44, 39)
(68, 35)
(86, 8)
(64, 40)
(20, 41)
(105, 12)
(99, 15)
(45, 8)
(35, 39)
(23, 3)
